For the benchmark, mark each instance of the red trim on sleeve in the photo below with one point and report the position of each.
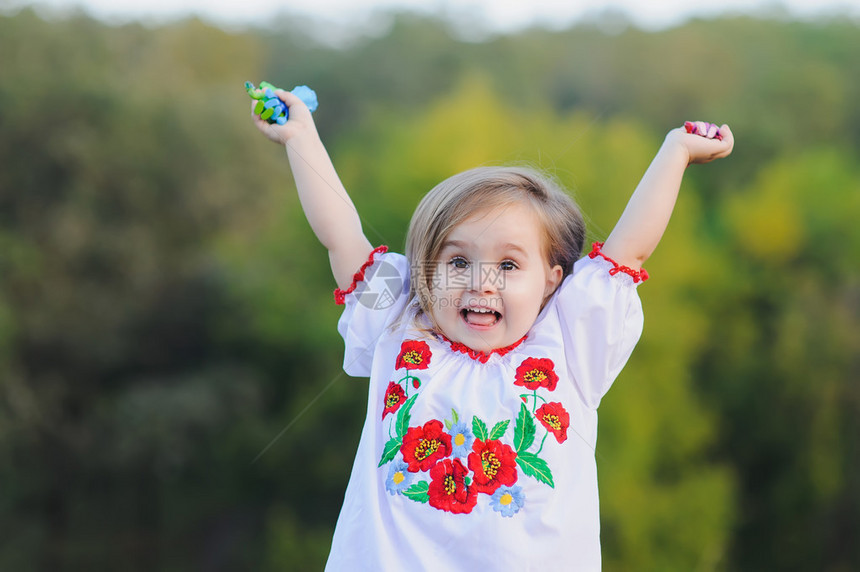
(640, 275)
(340, 295)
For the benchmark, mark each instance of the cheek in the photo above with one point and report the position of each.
(526, 295)
(449, 282)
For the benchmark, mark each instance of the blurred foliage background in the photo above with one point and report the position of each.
(170, 388)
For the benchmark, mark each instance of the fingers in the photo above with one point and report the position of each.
(274, 130)
(728, 139)
(288, 98)
(726, 132)
(705, 141)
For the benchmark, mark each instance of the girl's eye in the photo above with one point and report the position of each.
(459, 263)
(507, 265)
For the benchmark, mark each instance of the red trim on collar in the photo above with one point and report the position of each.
(340, 295)
(640, 275)
(482, 356)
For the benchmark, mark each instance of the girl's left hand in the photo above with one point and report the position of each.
(706, 147)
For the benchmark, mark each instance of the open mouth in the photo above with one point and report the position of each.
(482, 317)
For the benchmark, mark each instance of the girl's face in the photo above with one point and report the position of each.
(491, 278)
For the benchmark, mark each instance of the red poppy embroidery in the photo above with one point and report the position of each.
(394, 398)
(494, 465)
(448, 490)
(414, 355)
(555, 418)
(534, 373)
(423, 446)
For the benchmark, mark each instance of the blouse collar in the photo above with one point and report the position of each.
(479, 355)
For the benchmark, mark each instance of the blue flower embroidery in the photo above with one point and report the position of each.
(399, 478)
(507, 500)
(461, 439)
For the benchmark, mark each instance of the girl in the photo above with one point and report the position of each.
(488, 348)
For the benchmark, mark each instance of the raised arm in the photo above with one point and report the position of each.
(644, 220)
(324, 199)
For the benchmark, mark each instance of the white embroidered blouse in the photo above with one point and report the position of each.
(480, 461)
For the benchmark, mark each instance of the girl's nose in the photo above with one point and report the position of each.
(486, 278)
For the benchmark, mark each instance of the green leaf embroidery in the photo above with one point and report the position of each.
(536, 467)
(479, 428)
(524, 430)
(390, 451)
(453, 421)
(404, 416)
(499, 429)
(418, 492)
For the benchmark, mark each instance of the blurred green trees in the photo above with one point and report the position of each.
(170, 387)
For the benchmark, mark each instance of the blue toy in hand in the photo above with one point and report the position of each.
(271, 108)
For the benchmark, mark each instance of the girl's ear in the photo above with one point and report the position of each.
(553, 279)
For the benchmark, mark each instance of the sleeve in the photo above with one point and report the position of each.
(601, 322)
(375, 299)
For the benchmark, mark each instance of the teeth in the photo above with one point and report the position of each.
(481, 310)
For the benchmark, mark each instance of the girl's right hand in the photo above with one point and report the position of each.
(300, 121)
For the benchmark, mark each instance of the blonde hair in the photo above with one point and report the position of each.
(459, 197)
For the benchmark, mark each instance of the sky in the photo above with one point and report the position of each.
(496, 15)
